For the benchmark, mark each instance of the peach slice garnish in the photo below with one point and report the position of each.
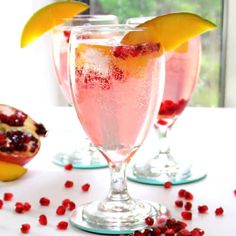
(170, 30)
(48, 17)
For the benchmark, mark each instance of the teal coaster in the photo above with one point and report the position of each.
(196, 175)
(62, 160)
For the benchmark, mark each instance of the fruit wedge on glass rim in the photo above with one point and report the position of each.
(48, 17)
(171, 30)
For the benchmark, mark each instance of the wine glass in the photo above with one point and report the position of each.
(182, 72)
(116, 91)
(81, 153)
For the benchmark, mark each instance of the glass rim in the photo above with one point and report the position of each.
(86, 19)
(107, 28)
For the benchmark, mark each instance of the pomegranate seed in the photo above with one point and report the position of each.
(66, 202)
(167, 184)
(156, 231)
(85, 187)
(197, 232)
(162, 122)
(25, 228)
(61, 210)
(203, 209)
(27, 206)
(163, 228)
(138, 233)
(170, 223)
(170, 232)
(62, 225)
(235, 192)
(43, 220)
(1, 203)
(19, 207)
(69, 184)
(186, 215)
(71, 206)
(179, 203)
(68, 167)
(44, 201)
(188, 196)
(183, 232)
(8, 196)
(219, 211)
(188, 206)
(179, 225)
(149, 221)
(181, 193)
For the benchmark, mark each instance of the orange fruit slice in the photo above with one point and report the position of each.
(48, 17)
(10, 171)
(170, 30)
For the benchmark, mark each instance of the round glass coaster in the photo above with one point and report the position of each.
(142, 175)
(63, 159)
(77, 220)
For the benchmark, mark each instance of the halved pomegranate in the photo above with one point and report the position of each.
(19, 136)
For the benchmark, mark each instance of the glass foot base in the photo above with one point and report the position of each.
(181, 174)
(87, 162)
(116, 222)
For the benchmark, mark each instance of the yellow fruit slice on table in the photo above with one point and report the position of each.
(170, 30)
(10, 171)
(48, 17)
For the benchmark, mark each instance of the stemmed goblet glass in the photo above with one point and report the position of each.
(182, 72)
(116, 90)
(81, 153)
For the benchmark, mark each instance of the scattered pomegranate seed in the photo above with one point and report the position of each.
(85, 187)
(219, 211)
(62, 225)
(167, 184)
(235, 192)
(181, 193)
(66, 202)
(183, 232)
(188, 206)
(197, 232)
(170, 232)
(68, 167)
(25, 228)
(188, 196)
(7, 196)
(163, 228)
(149, 221)
(44, 201)
(27, 206)
(69, 184)
(43, 220)
(186, 215)
(60, 210)
(71, 206)
(179, 203)
(19, 207)
(1, 203)
(203, 209)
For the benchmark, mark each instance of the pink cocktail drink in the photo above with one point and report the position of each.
(182, 72)
(115, 93)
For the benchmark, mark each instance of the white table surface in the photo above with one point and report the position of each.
(203, 135)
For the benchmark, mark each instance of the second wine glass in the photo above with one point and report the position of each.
(79, 152)
(181, 75)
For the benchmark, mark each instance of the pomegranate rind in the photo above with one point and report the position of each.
(29, 127)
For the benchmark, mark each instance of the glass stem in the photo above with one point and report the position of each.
(118, 188)
(163, 133)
